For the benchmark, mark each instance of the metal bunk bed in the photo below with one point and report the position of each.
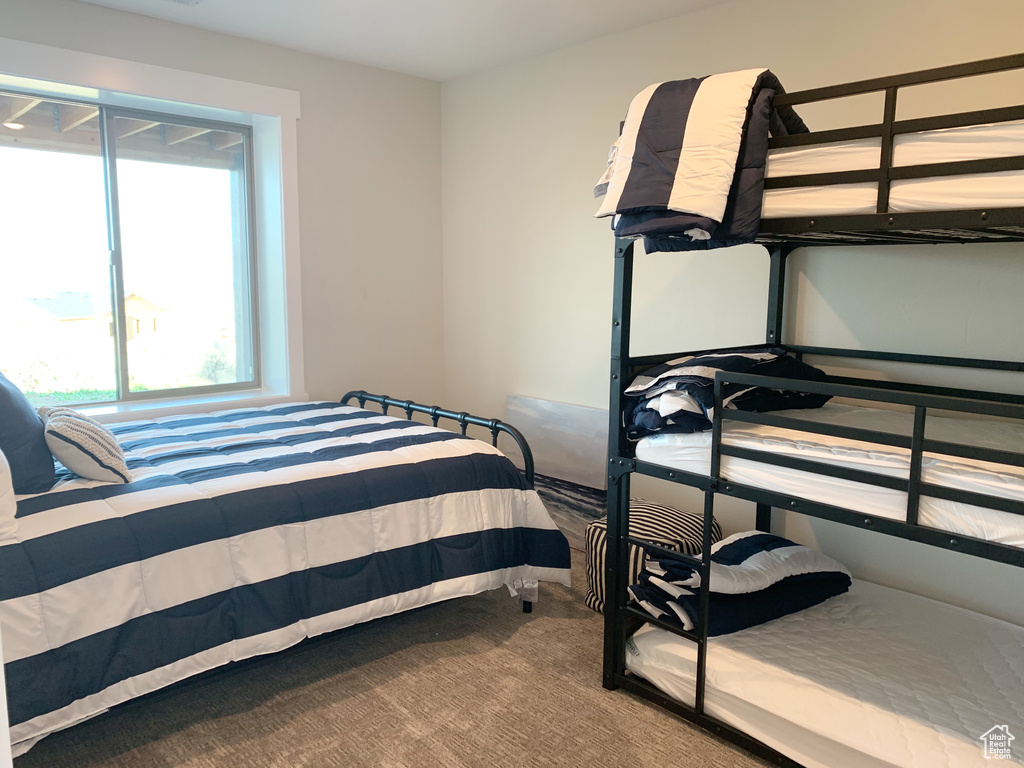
(781, 236)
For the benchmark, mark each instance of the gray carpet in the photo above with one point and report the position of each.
(471, 682)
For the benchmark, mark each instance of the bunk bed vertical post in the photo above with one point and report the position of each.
(916, 457)
(617, 555)
(776, 293)
(763, 518)
(773, 335)
(704, 607)
(885, 162)
(622, 309)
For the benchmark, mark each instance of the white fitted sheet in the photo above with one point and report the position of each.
(692, 453)
(875, 677)
(977, 142)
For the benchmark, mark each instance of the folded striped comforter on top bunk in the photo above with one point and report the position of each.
(241, 533)
(687, 171)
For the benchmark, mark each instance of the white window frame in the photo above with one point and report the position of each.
(273, 114)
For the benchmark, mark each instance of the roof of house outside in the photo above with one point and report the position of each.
(81, 305)
(68, 305)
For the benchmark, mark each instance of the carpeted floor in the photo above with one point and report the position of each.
(471, 682)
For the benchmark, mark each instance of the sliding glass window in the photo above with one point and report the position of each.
(126, 269)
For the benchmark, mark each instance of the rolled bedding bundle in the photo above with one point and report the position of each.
(679, 396)
(755, 577)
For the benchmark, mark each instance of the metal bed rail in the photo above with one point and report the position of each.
(465, 420)
(1016, 366)
(917, 443)
(639, 364)
(969, 225)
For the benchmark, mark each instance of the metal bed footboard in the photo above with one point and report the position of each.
(465, 420)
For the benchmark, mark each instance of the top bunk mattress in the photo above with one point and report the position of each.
(870, 679)
(977, 142)
(692, 453)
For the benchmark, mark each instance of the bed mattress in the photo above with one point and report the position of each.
(870, 679)
(244, 532)
(1002, 189)
(692, 453)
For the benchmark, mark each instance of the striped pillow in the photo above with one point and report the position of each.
(84, 446)
(669, 527)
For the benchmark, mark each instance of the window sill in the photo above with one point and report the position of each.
(171, 406)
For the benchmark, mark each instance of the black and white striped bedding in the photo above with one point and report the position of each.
(687, 171)
(659, 524)
(755, 577)
(679, 396)
(241, 533)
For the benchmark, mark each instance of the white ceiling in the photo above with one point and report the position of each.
(436, 39)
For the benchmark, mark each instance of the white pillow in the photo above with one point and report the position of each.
(8, 506)
(84, 446)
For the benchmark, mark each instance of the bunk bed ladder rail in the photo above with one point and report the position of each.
(465, 420)
(620, 465)
(620, 617)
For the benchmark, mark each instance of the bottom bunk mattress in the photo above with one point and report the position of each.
(870, 679)
(692, 453)
(241, 533)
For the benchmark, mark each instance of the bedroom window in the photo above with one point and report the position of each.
(127, 259)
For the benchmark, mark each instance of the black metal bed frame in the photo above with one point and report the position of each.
(782, 236)
(465, 420)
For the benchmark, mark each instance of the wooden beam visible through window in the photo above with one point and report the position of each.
(13, 107)
(175, 134)
(128, 127)
(70, 116)
(224, 140)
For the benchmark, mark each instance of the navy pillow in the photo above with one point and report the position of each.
(23, 441)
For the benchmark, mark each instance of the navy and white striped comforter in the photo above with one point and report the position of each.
(241, 533)
(687, 171)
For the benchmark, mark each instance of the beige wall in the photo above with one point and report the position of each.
(369, 145)
(528, 271)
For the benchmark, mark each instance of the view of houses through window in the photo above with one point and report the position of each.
(125, 253)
